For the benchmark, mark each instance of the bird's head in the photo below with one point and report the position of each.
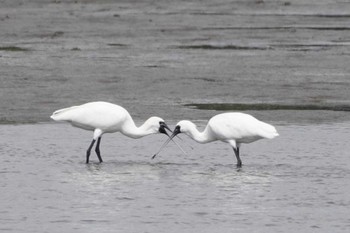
(181, 127)
(157, 125)
(184, 127)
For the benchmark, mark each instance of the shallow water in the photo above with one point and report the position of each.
(296, 182)
(166, 58)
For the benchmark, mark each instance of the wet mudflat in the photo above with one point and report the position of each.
(285, 62)
(155, 56)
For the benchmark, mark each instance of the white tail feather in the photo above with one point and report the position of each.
(269, 131)
(60, 115)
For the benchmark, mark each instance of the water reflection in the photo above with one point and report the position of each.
(291, 181)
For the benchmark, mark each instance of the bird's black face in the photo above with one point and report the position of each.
(177, 130)
(162, 127)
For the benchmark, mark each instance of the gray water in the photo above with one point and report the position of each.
(297, 182)
(155, 58)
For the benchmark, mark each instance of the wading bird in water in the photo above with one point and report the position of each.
(103, 117)
(232, 128)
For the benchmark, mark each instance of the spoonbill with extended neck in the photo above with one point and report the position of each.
(103, 117)
(232, 128)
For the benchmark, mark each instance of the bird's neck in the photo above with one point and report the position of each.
(201, 137)
(131, 130)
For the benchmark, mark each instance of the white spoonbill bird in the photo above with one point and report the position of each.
(103, 117)
(233, 128)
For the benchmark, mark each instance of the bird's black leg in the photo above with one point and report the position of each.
(239, 161)
(97, 150)
(89, 150)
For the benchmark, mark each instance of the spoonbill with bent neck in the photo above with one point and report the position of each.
(104, 117)
(232, 128)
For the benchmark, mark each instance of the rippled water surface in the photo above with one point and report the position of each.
(285, 62)
(297, 182)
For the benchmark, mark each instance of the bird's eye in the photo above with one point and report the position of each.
(161, 123)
